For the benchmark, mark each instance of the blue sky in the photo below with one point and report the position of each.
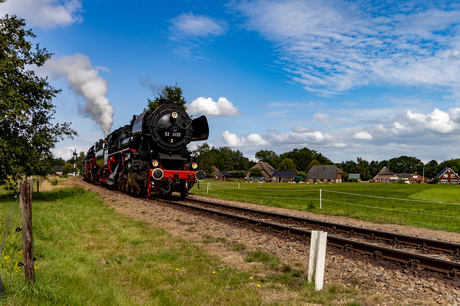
(371, 79)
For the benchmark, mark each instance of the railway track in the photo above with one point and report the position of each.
(295, 226)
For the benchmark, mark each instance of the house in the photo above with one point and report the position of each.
(385, 176)
(283, 176)
(222, 176)
(407, 177)
(266, 168)
(417, 178)
(448, 176)
(324, 174)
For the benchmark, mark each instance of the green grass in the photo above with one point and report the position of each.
(86, 254)
(430, 206)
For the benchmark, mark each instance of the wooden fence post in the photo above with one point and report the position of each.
(25, 202)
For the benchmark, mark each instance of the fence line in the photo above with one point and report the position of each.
(264, 189)
(321, 199)
(265, 196)
(390, 209)
(388, 198)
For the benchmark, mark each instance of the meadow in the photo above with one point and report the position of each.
(422, 205)
(86, 254)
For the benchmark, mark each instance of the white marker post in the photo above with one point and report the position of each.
(317, 261)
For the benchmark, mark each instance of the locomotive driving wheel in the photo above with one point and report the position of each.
(183, 190)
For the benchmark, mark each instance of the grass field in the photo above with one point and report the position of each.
(86, 254)
(431, 206)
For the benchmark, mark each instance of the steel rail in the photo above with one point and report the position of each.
(424, 243)
(450, 268)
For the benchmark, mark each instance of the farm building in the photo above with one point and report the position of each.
(266, 168)
(324, 174)
(222, 176)
(385, 176)
(354, 177)
(283, 176)
(448, 176)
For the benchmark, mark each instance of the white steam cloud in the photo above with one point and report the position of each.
(85, 81)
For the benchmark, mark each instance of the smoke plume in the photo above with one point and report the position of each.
(85, 81)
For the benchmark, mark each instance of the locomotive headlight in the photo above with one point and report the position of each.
(174, 115)
(155, 163)
(194, 166)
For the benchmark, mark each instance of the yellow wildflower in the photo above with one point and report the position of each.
(6, 257)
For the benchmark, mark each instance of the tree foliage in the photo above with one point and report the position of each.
(26, 109)
(171, 93)
(224, 159)
(287, 165)
(205, 158)
(268, 156)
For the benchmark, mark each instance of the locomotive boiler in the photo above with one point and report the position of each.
(150, 154)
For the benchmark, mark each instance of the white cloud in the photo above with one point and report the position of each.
(437, 121)
(362, 136)
(252, 140)
(402, 132)
(207, 106)
(332, 46)
(47, 14)
(191, 26)
(66, 152)
(328, 120)
(85, 81)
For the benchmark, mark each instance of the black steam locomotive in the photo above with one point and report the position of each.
(150, 154)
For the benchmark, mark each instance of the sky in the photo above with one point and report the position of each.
(348, 79)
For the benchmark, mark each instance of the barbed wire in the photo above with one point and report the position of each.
(333, 201)
(263, 189)
(9, 220)
(268, 196)
(389, 198)
(391, 209)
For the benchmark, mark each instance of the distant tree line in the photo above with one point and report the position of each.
(301, 160)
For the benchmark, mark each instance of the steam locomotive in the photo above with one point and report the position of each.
(150, 154)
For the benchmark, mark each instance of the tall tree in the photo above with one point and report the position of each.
(26, 109)
(287, 165)
(171, 93)
(363, 169)
(205, 158)
(268, 156)
(431, 169)
(454, 164)
(406, 164)
(303, 157)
